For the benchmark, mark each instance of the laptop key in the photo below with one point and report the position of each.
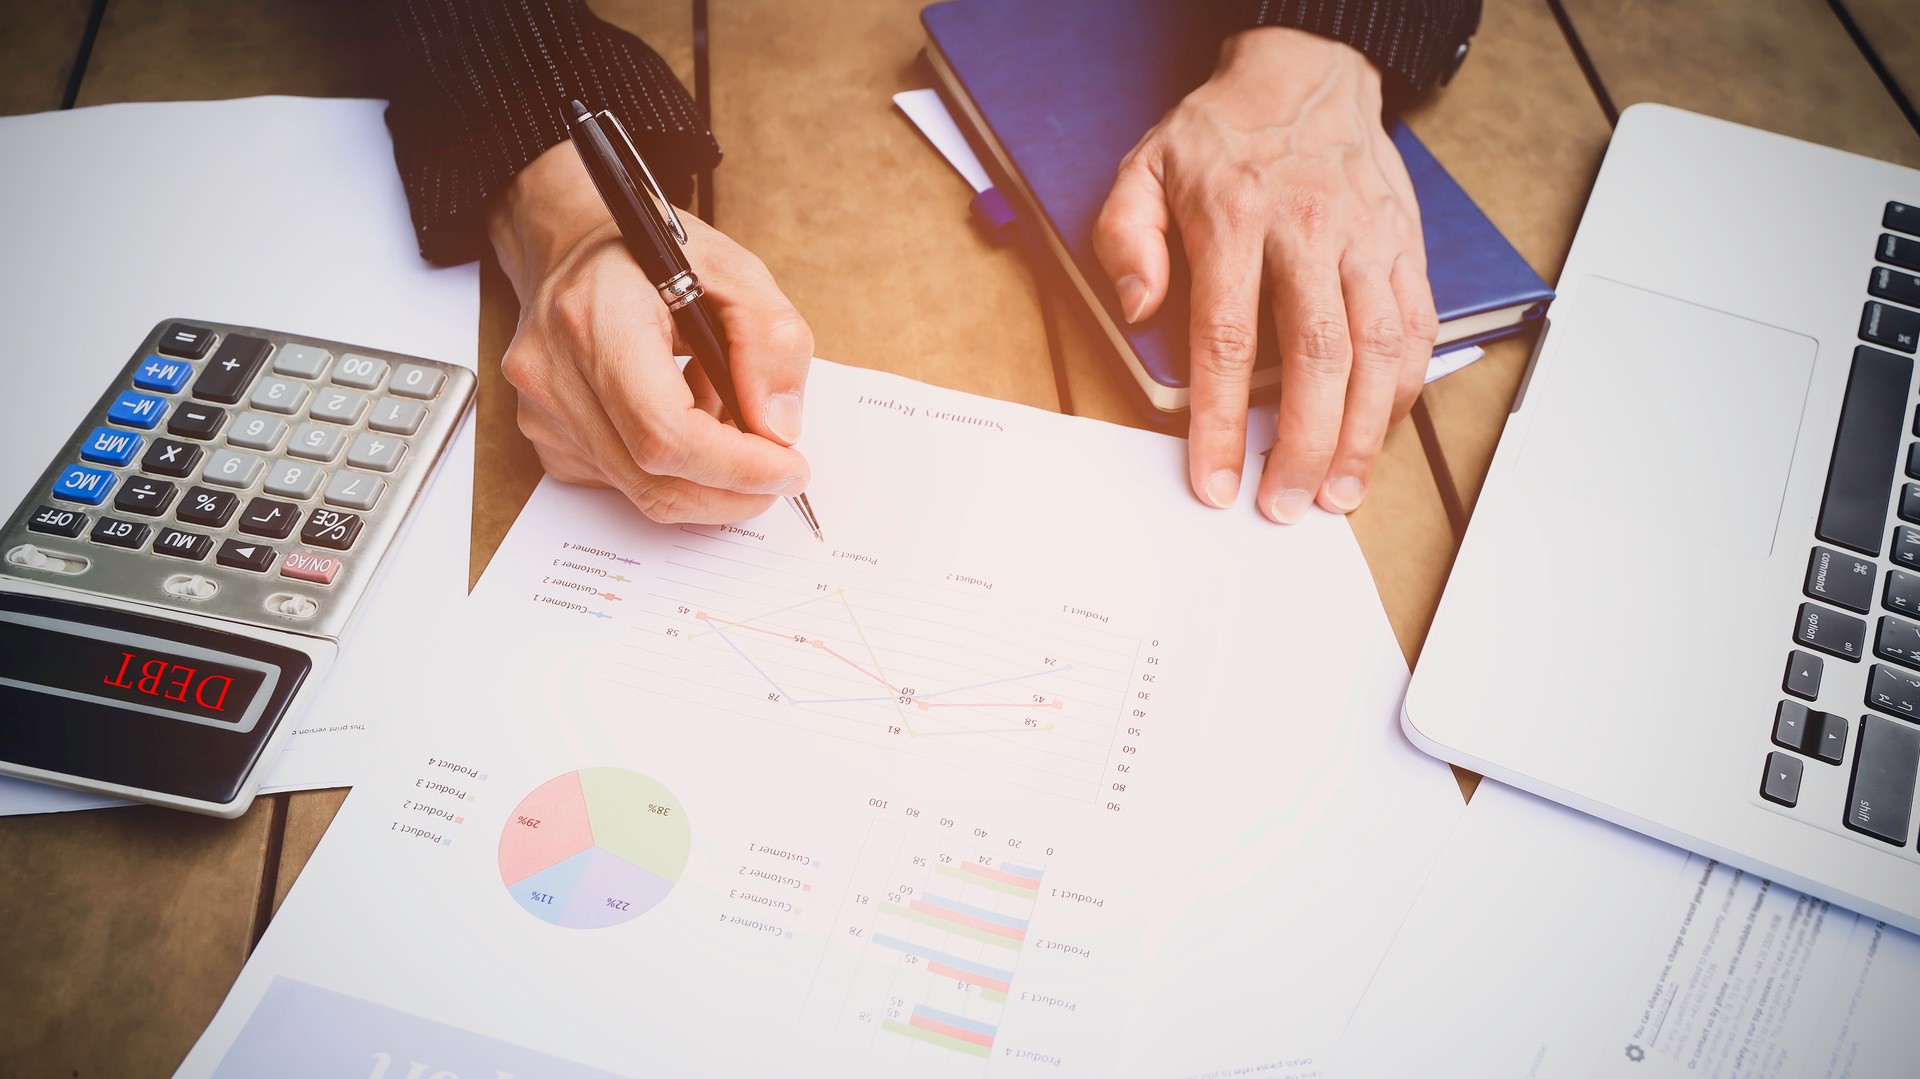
(1890, 284)
(1840, 579)
(1894, 327)
(1791, 721)
(1901, 251)
(1781, 783)
(1902, 593)
(1866, 451)
(1906, 546)
(1803, 674)
(1831, 632)
(1885, 764)
(1894, 690)
(1898, 640)
(1913, 460)
(1827, 737)
(1910, 502)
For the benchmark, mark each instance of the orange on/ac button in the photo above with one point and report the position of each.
(318, 568)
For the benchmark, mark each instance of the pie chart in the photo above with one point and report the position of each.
(594, 848)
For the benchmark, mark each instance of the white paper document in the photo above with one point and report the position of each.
(282, 213)
(1550, 944)
(1035, 767)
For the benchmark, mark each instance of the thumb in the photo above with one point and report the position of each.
(1130, 237)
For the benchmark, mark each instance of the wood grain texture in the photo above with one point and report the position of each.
(863, 224)
(1784, 65)
(1528, 157)
(1892, 30)
(124, 929)
(42, 39)
(305, 821)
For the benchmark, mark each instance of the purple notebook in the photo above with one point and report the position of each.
(1057, 92)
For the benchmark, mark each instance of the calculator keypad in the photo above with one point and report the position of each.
(279, 466)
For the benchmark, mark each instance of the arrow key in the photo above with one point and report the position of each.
(257, 557)
(1803, 675)
(1781, 783)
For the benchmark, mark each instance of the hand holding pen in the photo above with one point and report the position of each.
(600, 396)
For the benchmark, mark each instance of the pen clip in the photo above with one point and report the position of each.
(653, 185)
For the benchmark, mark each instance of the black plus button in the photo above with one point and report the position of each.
(241, 554)
(208, 507)
(178, 544)
(114, 532)
(269, 517)
(196, 421)
(55, 521)
(331, 528)
(188, 340)
(144, 496)
(169, 458)
(224, 379)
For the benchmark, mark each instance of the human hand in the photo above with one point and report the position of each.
(1279, 162)
(593, 357)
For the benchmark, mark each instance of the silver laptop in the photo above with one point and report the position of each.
(1689, 599)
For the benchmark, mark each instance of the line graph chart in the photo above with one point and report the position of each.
(937, 671)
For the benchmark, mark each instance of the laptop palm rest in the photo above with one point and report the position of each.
(1671, 415)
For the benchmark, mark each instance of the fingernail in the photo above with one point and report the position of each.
(792, 485)
(1345, 492)
(1223, 487)
(1289, 506)
(1133, 297)
(782, 416)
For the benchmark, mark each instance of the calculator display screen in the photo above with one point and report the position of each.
(133, 674)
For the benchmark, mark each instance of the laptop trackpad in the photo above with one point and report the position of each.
(1672, 414)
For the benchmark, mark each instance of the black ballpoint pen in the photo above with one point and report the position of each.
(655, 237)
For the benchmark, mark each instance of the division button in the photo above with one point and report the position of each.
(294, 479)
(322, 441)
(184, 339)
(359, 372)
(339, 406)
(114, 532)
(398, 417)
(417, 380)
(382, 452)
(164, 375)
(1880, 801)
(1841, 579)
(207, 507)
(144, 496)
(256, 557)
(107, 446)
(301, 361)
(231, 468)
(1831, 632)
(306, 566)
(266, 517)
(57, 522)
(87, 486)
(329, 528)
(224, 380)
(196, 421)
(177, 544)
(354, 490)
(169, 458)
(142, 410)
(278, 395)
(1898, 640)
(1782, 782)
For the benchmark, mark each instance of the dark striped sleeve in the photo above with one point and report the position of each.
(478, 89)
(1413, 42)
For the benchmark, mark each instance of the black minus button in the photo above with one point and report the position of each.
(190, 341)
(1866, 451)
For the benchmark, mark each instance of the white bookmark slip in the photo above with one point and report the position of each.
(1037, 766)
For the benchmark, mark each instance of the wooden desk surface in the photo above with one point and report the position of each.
(125, 927)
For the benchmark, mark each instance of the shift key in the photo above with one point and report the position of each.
(1831, 632)
(1880, 803)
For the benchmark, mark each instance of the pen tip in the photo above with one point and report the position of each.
(579, 110)
(818, 536)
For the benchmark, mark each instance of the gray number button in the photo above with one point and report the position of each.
(301, 361)
(339, 406)
(254, 431)
(360, 372)
(355, 490)
(416, 380)
(397, 417)
(316, 441)
(295, 479)
(378, 452)
(230, 468)
(278, 395)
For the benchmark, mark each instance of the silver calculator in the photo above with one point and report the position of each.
(177, 583)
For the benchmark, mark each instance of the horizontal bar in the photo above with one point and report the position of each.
(941, 957)
(942, 1040)
(972, 911)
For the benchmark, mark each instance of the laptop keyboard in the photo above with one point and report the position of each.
(1857, 613)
